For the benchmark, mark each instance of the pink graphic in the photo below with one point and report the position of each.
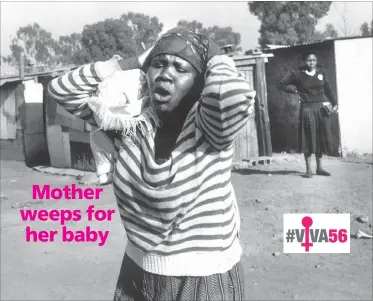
(307, 223)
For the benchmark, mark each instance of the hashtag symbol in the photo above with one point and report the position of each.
(290, 235)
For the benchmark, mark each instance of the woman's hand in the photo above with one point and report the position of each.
(213, 50)
(301, 95)
(335, 109)
(251, 97)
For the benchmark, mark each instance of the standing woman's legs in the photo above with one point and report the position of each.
(306, 130)
(319, 169)
(307, 158)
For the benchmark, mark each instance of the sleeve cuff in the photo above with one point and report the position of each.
(129, 63)
(108, 68)
(221, 59)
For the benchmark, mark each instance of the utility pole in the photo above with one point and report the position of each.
(21, 66)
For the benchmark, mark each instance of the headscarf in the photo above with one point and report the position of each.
(184, 43)
(120, 102)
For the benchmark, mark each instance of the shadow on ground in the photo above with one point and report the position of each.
(267, 172)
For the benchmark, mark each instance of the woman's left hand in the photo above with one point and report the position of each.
(142, 57)
(213, 50)
(335, 109)
(251, 97)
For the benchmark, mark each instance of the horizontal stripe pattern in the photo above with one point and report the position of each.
(187, 203)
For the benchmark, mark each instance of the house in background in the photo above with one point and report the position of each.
(22, 115)
(348, 64)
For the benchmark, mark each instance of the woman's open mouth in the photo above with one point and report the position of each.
(161, 94)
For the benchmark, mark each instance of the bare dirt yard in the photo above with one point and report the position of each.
(86, 271)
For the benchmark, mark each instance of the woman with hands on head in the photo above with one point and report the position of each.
(172, 182)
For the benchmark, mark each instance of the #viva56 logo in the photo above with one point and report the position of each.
(316, 233)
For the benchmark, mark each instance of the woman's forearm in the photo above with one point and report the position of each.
(74, 89)
(286, 88)
(286, 84)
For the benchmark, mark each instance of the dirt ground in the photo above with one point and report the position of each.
(85, 271)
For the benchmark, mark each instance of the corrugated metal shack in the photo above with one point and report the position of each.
(22, 114)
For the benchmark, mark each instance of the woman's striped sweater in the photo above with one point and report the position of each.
(181, 217)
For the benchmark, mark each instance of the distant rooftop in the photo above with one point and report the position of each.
(274, 47)
(32, 73)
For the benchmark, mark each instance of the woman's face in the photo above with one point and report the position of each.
(170, 78)
(311, 61)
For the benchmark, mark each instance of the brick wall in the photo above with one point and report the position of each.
(283, 108)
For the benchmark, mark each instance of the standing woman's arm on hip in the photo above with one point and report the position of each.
(288, 83)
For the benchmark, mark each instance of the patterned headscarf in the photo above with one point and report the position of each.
(184, 43)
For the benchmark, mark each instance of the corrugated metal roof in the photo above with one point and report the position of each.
(13, 78)
(270, 47)
(276, 47)
(252, 56)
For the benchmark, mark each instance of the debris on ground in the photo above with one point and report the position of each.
(26, 204)
(361, 234)
(362, 219)
(61, 171)
(278, 236)
(276, 254)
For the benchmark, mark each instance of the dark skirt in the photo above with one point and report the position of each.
(135, 284)
(315, 129)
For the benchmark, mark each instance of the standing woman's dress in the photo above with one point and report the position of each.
(315, 126)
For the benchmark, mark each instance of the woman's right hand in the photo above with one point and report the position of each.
(302, 95)
(142, 57)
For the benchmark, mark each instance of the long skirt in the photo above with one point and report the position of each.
(315, 129)
(135, 284)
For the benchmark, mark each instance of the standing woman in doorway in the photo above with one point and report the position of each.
(318, 102)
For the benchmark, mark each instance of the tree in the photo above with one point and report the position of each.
(343, 13)
(36, 44)
(70, 50)
(41, 50)
(287, 23)
(122, 36)
(365, 30)
(224, 35)
(329, 33)
(221, 35)
(195, 25)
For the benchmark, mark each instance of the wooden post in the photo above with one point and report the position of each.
(264, 134)
(21, 66)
